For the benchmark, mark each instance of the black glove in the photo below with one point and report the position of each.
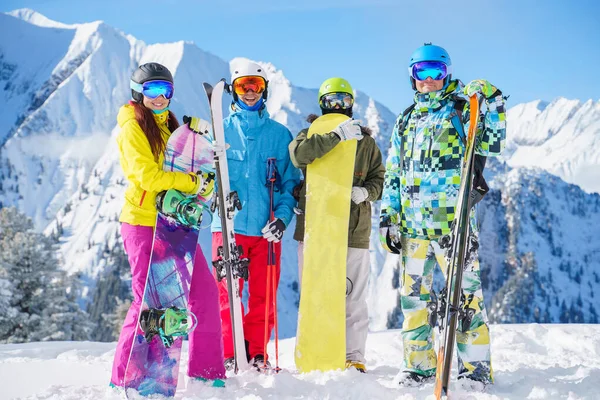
(389, 235)
(273, 231)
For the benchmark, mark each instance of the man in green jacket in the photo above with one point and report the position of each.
(336, 96)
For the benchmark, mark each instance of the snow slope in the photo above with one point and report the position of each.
(561, 137)
(530, 362)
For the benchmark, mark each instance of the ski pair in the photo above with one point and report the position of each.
(452, 302)
(231, 265)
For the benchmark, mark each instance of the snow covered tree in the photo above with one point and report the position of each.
(34, 285)
(112, 290)
(9, 315)
(564, 313)
(63, 319)
(593, 315)
(115, 320)
(514, 302)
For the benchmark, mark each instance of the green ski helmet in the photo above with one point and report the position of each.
(336, 95)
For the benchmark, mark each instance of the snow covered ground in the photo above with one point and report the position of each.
(530, 362)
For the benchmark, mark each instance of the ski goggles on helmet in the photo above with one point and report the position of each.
(435, 70)
(154, 89)
(246, 83)
(336, 101)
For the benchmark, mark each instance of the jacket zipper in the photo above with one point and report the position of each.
(412, 155)
(142, 199)
(428, 154)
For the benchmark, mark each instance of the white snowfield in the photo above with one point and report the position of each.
(530, 362)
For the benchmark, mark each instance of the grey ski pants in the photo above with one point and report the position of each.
(357, 314)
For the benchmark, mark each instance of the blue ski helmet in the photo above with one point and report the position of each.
(430, 52)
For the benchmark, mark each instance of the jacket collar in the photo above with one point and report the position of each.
(433, 101)
(250, 120)
(161, 118)
(127, 113)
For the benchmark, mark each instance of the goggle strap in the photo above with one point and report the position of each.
(138, 87)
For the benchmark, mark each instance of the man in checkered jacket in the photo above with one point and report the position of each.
(421, 185)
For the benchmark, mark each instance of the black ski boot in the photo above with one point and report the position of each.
(260, 364)
(229, 364)
(412, 379)
(470, 384)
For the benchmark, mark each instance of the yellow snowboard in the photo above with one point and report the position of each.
(321, 337)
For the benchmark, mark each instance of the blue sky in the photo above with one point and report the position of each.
(529, 49)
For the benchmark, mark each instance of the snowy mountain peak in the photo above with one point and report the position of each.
(538, 229)
(562, 137)
(34, 17)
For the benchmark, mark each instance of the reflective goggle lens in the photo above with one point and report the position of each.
(246, 83)
(435, 70)
(153, 89)
(336, 101)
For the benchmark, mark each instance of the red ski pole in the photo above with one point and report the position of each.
(267, 313)
(271, 266)
(274, 281)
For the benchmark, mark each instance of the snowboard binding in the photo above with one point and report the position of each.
(188, 210)
(167, 323)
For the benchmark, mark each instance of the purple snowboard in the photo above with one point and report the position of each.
(152, 367)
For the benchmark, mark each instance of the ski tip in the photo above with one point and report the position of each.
(208, 89)
(221, 84)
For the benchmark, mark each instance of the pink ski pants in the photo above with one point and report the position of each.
(205, 341)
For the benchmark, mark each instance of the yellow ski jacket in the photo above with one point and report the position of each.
(144, 173)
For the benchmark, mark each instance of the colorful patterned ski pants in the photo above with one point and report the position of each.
(419, 259)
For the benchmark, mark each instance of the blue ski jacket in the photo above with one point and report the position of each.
(254, 137)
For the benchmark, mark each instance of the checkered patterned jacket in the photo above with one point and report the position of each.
(421, 196)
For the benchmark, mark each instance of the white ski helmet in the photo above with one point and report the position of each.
(249, 68)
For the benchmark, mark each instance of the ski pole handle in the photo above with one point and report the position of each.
(271, 171)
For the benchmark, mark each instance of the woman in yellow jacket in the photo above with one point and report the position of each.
(146, 124)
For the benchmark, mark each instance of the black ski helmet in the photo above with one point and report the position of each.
(149, 72)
